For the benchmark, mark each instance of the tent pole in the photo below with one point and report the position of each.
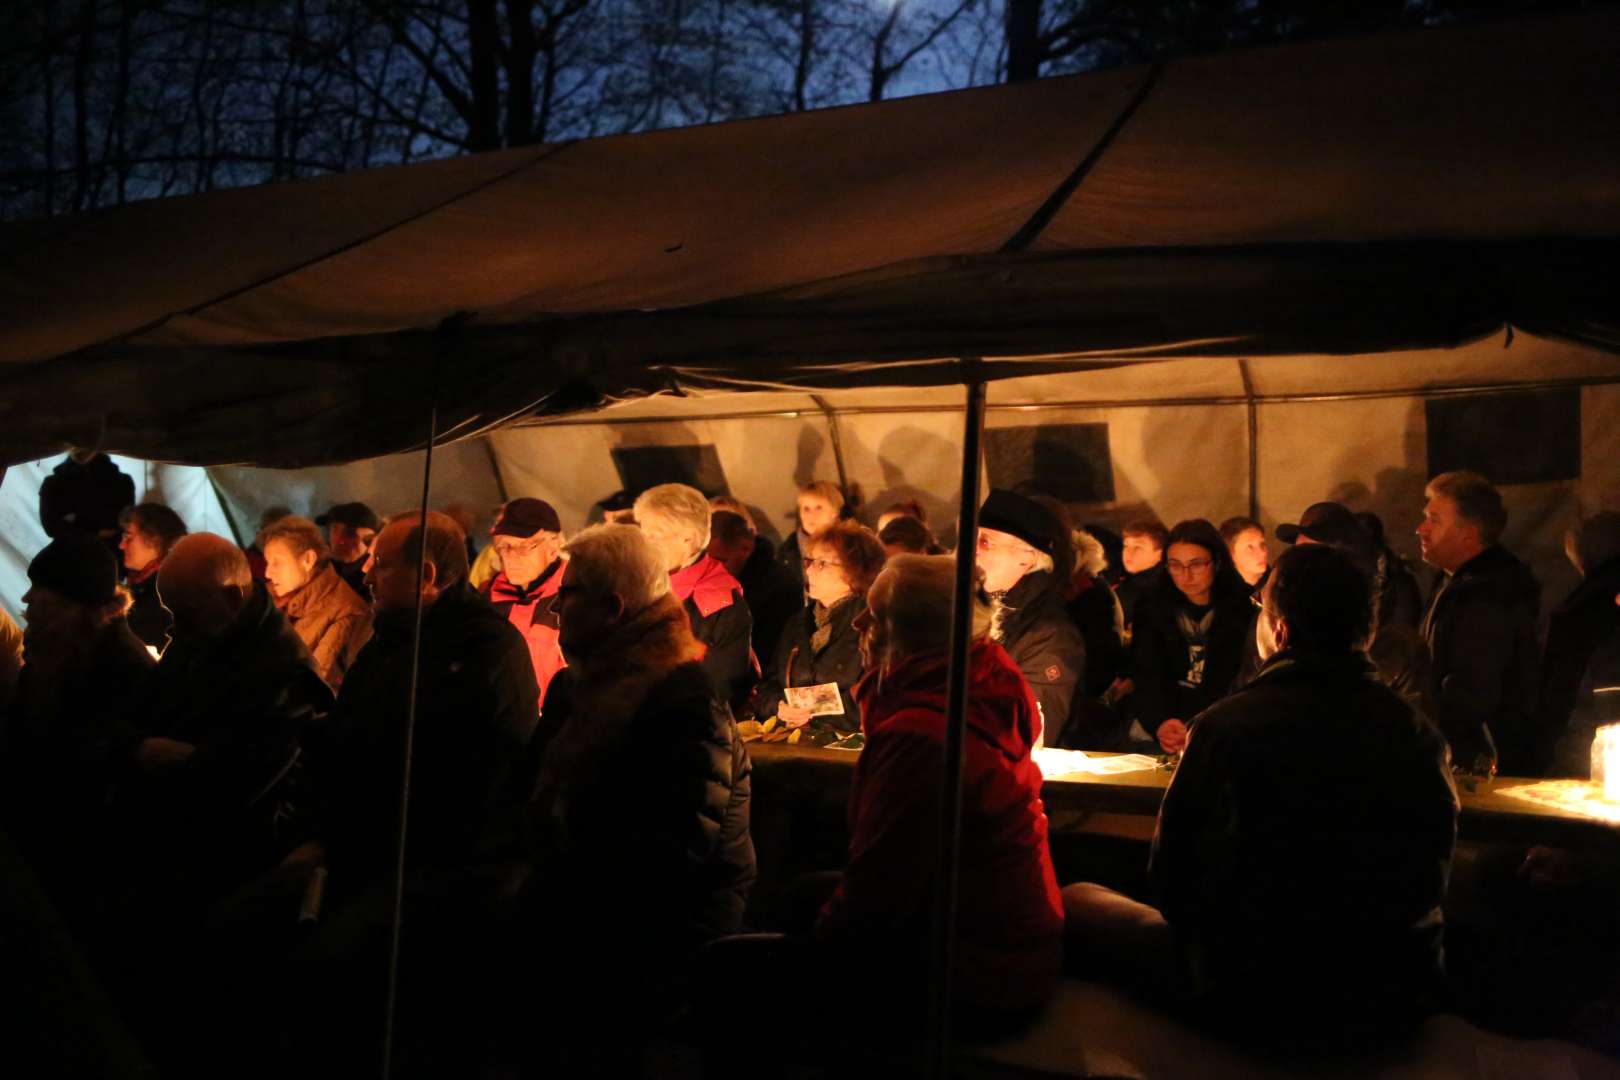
(405, 771)
(837, 441)
(939, 1003)
(1251, 402)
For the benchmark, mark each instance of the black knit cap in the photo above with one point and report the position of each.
(1009, 512)
(354, 514)
(78, 566)
(1324, 522)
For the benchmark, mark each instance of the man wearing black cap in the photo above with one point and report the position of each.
(1025, 558)
(351, 529)
(83, 663)
(529, 539)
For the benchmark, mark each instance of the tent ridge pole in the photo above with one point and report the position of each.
(837, 440)
(1038, 221)
(961, 644)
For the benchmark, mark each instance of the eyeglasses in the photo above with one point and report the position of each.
(1193, 566)
(528, 547)
(987, 544)
(819, 564)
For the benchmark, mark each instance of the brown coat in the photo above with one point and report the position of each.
(332, 622)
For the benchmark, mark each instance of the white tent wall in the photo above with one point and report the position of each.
(184, 488)
(462, 473)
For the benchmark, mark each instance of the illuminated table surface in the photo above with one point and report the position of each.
(1107, 802)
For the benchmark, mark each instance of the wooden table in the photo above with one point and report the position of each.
(1126, 804)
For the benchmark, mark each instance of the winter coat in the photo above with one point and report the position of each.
(1097, 614)
(722, 624)
(790, 558)
(55, 743)
(88, 498)
(475, 715)
(774, 597)
(1132, 589)
(246, 700)
(799, 663)
(148, 618)
(1400, 601)
(1304, 844)
(1168, 684)
(1481, 631)
(533, 611)
(1009, 913)
(1577, 632)
(639, 825)
(331, 621)
(1035, 629)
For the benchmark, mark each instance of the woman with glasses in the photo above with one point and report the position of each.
(1187, 644)
(820, 647)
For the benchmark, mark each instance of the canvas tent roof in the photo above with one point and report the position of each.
(1408, 191)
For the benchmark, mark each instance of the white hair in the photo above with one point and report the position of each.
(917, 613)
(679, 505)
(1089, 554)
(618, 559)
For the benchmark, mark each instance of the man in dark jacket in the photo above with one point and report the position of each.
(1481, 630)
(475, 715)
(218, 728)
(640, 834)
(1305, 843)
(675, 518)
(774, 596)
(85, 493)
(1027, 556)
(84, 664)
(528, 539)
(351, 529)
(1583, 632)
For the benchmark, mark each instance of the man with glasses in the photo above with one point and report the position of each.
(529, 541)
(1026, 556)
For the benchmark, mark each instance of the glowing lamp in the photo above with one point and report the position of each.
(1606, 761)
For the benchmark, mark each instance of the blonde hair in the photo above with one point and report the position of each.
(824, 489)
(679, 505)
(619, 560)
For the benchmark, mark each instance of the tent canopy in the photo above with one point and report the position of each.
(1404, 192)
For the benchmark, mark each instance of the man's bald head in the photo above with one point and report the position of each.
(205, 581)
(391, 571)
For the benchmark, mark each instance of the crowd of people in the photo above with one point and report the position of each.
(202, 750)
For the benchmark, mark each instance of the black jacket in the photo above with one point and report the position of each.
(87, 498)
(1577, 632)
(55, 770)
(1400, 601)
(476, 712)
(1167, 687)
(1481, 632)
(774, 596)
(1304, 845)
(246, 700)
(1043, 641)
(354, 576)
(640, 818)
(797, 663)
(1132, 589)
(148, 618)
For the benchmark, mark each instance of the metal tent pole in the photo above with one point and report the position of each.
(944, 951)
(405, 771)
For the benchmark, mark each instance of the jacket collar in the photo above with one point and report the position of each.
(502, 590)
(312, 594)
(1302, 665)
(706, 583)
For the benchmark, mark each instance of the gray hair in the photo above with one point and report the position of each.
(618, 560)
(918, 609)
(1477, 501)
(679, 505)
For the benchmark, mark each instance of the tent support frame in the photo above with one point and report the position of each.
(837, 440)
(398, 914)
(1252, 404)
(961, 644)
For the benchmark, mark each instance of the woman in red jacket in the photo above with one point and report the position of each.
(1010, 913)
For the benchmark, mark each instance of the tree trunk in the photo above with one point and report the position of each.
(484, 62)
(521, 49)
(1023, 40)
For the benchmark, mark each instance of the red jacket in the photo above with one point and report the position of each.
(534, 612)
(1009, 913)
